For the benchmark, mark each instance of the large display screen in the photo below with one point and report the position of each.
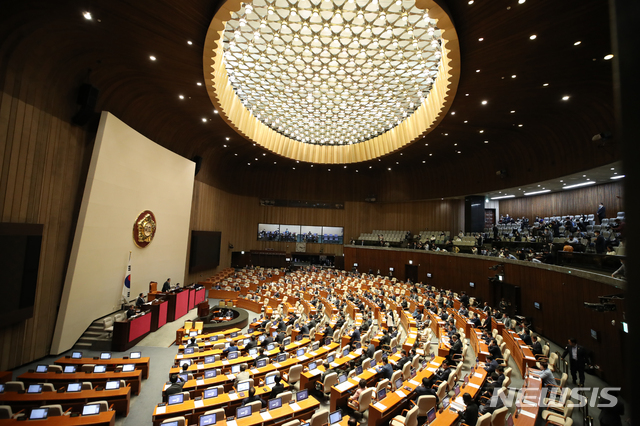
(301, 233)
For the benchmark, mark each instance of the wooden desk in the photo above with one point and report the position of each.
(520, 352)
(132, 378)
(141, 364)
(480, 348)
(108, 418)
(178, 305)
(340, 393)
(127, 333)
(528, 400)
(119, 398)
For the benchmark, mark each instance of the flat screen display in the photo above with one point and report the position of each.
(243, 412)
(38, 413)
(381, 394)
(41, 368)
(233, 355)
(175, 399)
(282, 357)
(261, 363)
(100, 369)
(128, 368)
(209, 359)
(210, 374)
(335, 417)
(210, 393)
(76, 355)
(270, 380)
(207, 419)
(91, 410)
(74, 387)
(135, 355)
(112, 385)
(302, 395)
(275, 403)
(431, 415)
(105, 355)
(244, 386)
(69, 369)
(34, 389)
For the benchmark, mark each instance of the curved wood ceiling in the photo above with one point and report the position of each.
(53, 46)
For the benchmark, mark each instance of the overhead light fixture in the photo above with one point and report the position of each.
(189, 42)
(504, 196)
(521, 1)
(537, 192)
(609, 56)
(181, 96)
(617, 177)
(484, 102)
(565, 98)
(87, 16)
(577, 43)
(591, 182)
(533, 37)
(153, 58)
(204, 120)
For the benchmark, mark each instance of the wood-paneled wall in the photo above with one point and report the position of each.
(43, 164)
(577, 201)
(561, 295)
(237, 217)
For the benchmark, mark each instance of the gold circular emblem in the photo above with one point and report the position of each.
(144, 229)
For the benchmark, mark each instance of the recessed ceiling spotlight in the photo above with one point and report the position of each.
(484, 102)
(609, 56)
(545, 84)
(227, 138)
(87, 16)
(224, 146)
(215, 111)
(453, 113)
(513, 111)
(521, 1)
(477, 70)
(204, 120)
(466, 94)
(430, 155)
(565, 98)
(264, 155)
(389, 169)
(181, 96)
(470, 1)
(513, 76)
(153, 58)
(533, 37)
(481, 131)
(577, 43)
(465, 121)
(520, 125)
(486, 141)
(481, 39)
(199, 84)
(189, 42)
(617, 177)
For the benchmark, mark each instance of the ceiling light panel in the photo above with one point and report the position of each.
(331, 73)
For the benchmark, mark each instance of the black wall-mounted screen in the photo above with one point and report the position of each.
(20, 245)
(205, 250)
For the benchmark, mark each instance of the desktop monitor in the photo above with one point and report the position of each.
(42, 368)
(431, 415)
(188, 351)
(74, 387)
(210, 374)
(207, 419)
(193, 333)
(445, 402)
(358, 345)
(135, 355)
(274, 334)
(413, 373)
(358, 370)
(105, 355)
(235, 369)
(271, 346)
(472, 371)
(456, 391)
(34, 389)
(433, 355)
(305, 424)
(261, 363)
(245, 342)
(244, 386)
(275, 403)
(174, 423)
(335, 417)
(185, 361)
(76, 355)
(128, 368)
(209, 359)
(315, 346)
(1, 387)
(184, 377)
(233, 355)
(300, 352)
(112, 385)
(270, 380)
(298, 337)
(399, 383)
(302, 395)
(466, 380)
(327, 341)
(342, 378)
(394, 350)
(312, 366)
(69, 369)
(251, 330)
(424, 364)
(345, 352)
(213, 338)
(234, 334)
(91, 409)
(177, 398)
(381, 394)
(261, 338)
(210, 393)
(243, 412)
(330, 358)
(253, 351)
(282, 357)
(38, 414)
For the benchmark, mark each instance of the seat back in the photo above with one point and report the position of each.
(381, 385)
(484, 420)
(506, 382)
(396, 375)
(377, 355)
(508, 371)
(320, 418)
(294, 373)
(563, 380)
(48, 387)
(415, 362)
(199, 325)
(180, 420)
(292, 423)
(329, 381)
(406, 371)
(366, 364)
(5, 412)
(219, 412)
(412, 417)
(255, 406)
(442, 389)
(424, 404)
(365, 400)
(87, 386)
(107, 322)
(54, 410)
(87, 368)
(286, 397)
(499, 416)
(14, 386)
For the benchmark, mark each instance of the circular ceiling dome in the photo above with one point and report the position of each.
(332, 81)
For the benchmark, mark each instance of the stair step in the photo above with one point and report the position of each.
(82, 344)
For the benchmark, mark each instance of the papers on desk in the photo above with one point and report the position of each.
(372, 371)
(161, 410)
(315, 372)
(295, 406)
(459, 400)
(378, 405)
(233, 396)
(351, 356)
(302, 358)
(334, 364)
(225, 362)
(473, 385)
(526, 413)
(231, 423)
(200, 366)
(344, 386)
(200, 382)
(231, 377)
(198, 404)
(179, 356)
(458, 407)
(254, 371)
(478, 375)
(432, 369)
(400, 393)
(276, 364)
(413, 382)
(266, 415)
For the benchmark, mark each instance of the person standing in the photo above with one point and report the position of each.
(602, 212)
(577, 360)
(166, 286)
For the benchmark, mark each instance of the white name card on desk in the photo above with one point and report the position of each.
(473, 385)
(526, 413)
(161, 410)
(351, 356)
(200, 382)
(231, 377)
(302, 358)
(344, 386)
(378, 405)
(295, 406)
(333, 364)
(413, 382)
(315, 372)
(254, 371)
(198, 404)
(532, 358)
(179, 356)
(400, 393)
(225, 362)
(231, 423)
(432, 369)
(233, 396)
(372, 371)
(276, 365)
(266, 415)
(478, 375)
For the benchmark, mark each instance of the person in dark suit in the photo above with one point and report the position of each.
(192, 343)
(536, 346)
(355, 336)
(387, 370)
(426, 389)
(470, 415)
(456, 346)
(166, 286)
(253, 397)
(476, 320)
(405, 359)
(577, 360)
(260, 356)
(443, 374)
(139, 300)
(601, 245)
(526, 337)
(252, 343)
(602, 213)
(277, 388)
(369, 349)
(176, 385)
(233, 347)
(491, 364)
(464, 298)
(131, 311)
(304, 330)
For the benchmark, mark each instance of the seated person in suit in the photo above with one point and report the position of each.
(402, 361)
(546, 376)
(355, 336)
(260, 356)
(491, 364)
(456, 345)
(176, 385)
(304, 330)
(476, 320)
(426, 388)
(233, 347)
(139, 300)
(252, 343)
(277, 388)
(494, 349)
(526, 337)
(327, 371)
(166, 286)
(493, 403)
(253, 397)
(442, 374)
(369, 349)
(242, 375)
(387, 370)
(131, 311)
(470, 415)
(536, 346)
(192, 343)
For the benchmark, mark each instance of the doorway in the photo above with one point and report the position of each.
(411, 272)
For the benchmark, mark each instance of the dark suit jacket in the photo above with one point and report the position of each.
(355, 336)
(456, 348)
(276, 390)
(470, 415)
(139, 301)
(250, 399)
(536, 348)
(444, 376)
(495, 351)
(582, 354)
(422, 391)
(166, 286)
(174, 388)
(387, 371)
